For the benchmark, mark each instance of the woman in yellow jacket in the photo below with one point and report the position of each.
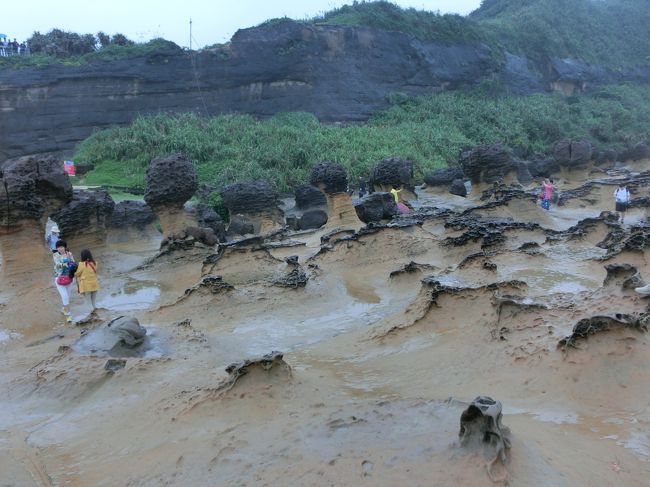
(87, 277)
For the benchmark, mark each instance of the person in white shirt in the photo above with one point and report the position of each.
(622, 198)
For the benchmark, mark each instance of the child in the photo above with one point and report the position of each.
(622, 197)
(87, 278)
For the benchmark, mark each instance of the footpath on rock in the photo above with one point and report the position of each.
(477, 340)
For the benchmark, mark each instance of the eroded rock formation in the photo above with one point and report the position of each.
(86, 217)
(486, 163)
(171, 181)
(253, 207)
(376, 207)
(31, 189)
(332, 179)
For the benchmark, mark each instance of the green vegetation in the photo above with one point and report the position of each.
(428, 130)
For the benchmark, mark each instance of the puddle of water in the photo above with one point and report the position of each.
(556, 417)
(554, 281)
(100, 342)
(134, 295)
(639, 443)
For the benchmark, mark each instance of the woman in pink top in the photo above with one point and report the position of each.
(547, 191)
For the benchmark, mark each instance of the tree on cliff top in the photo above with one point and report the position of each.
(61, 44)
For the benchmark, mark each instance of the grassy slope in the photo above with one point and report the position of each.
(429, 130)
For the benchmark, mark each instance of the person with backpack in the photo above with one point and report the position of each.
(622, 199)
(64, 269)
(87, 278)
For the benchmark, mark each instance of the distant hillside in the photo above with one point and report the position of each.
(612, 33)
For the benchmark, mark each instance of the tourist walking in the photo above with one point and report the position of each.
(64, 268)
(622, 199)
(547, 193)
(87, 278)
(52, 238)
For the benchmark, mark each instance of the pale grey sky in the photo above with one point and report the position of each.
(213, 20)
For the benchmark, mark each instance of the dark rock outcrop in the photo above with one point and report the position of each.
(625, 276)
(308, 196)
(599, 324)
(252, 204)
(330, 177)
(312, 219)
(88, 213)
(392, 171)
(171, 181)
(31, 189)
(575, 154)
(206, 217)
(376, 207)
(486, 163)
(458, 188)
(130, 213)
(443, 177)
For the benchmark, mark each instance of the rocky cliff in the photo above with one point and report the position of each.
(337, 73)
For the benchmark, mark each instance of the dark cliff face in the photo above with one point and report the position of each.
(336, 73)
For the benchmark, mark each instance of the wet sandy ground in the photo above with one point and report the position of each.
(379, 367)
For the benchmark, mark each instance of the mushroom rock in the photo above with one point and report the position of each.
(85, 218)
(393, 171)
(332, 179)
(31, 189)
(256, 204)
(171, 181)
(573, 154)
(443, 177)
(486, 163)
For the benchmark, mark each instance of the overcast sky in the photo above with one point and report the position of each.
(213, 21)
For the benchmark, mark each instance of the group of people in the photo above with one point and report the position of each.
(12, 48)
(68, 272)
(621, 198)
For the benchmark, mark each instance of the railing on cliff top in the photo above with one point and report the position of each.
(10, 51)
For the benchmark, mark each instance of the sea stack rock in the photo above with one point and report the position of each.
(31, 189)
(253, 206)
(83, 220)
(171, 181)
(332, 179)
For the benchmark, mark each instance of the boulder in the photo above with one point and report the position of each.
(32, 189)
(486, 163)
(458, 188)
(311, 219)
(330, 177)
(392, 171)
(575, 154)
(206, 217)
(250, 197)
(127, 331)
(131, 213)
(171, 181)
(542, 167)
(239, 225)
(607, 156)
(376, 207)
(88, 213)
(443, 177)
(308, 196)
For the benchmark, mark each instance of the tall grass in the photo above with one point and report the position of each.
(429, 130)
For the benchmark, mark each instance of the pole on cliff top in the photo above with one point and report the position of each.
(190, 34)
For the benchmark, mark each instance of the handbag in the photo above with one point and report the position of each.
(64, 280)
